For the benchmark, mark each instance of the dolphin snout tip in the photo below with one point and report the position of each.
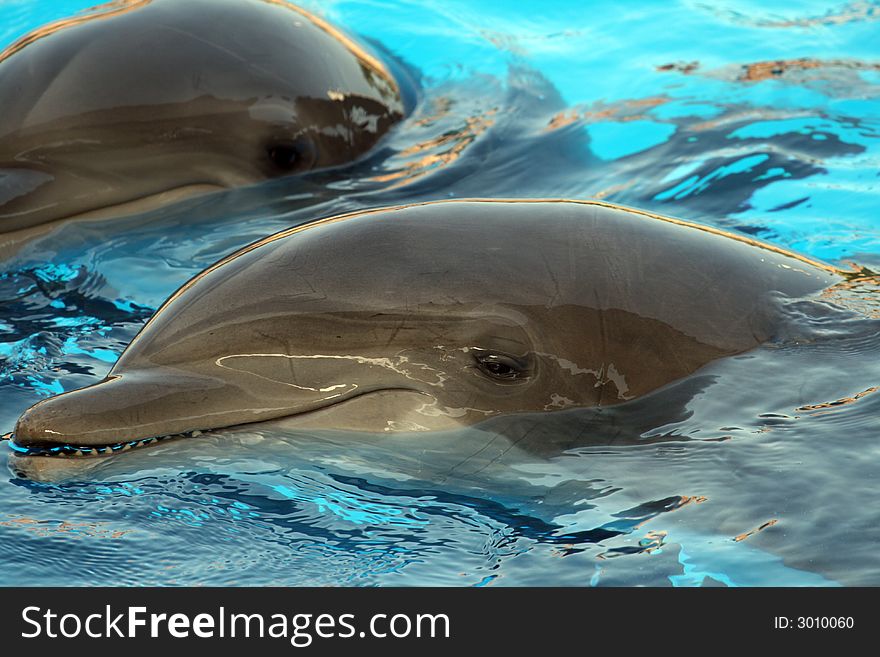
(38, 425)
(69, 418)
(113, 414)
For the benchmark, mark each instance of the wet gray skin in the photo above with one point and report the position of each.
(142, 102)
(430, 316)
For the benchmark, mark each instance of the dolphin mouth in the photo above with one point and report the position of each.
(72, 450)
(149, 201)
(48, 216)
(67, 450)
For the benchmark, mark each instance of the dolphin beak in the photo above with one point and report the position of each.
(138, 408)
(122, 409)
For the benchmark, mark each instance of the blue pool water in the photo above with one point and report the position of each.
(758, 119)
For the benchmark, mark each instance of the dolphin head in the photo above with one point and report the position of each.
(426, 316)
(144, 101)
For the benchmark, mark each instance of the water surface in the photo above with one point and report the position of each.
(755, 119)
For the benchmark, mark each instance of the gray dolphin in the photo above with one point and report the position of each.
(141, 102)
(429, 316)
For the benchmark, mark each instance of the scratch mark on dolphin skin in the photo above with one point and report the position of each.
(397, 329)
(603, 340)
(285, 383)
(226, 51)
(505, 451)
(473, 455)
(557, 293)
(18, 214)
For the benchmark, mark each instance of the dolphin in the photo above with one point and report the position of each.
(430, 316)
(139, 103)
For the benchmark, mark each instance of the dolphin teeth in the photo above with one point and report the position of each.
(73, 451)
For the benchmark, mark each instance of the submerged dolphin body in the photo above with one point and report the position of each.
(142, 102)
(430, 316)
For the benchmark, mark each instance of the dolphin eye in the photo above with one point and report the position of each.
(292, 154)
(501, 367)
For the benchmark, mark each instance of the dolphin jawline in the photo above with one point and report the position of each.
(148, 201)
(66, 450)
(69, 450)
(11, 241)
